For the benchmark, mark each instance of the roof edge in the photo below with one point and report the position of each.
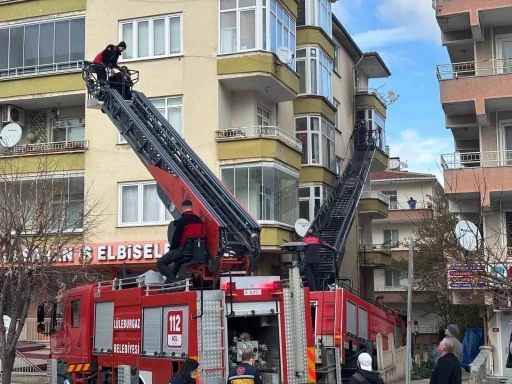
(379, 59)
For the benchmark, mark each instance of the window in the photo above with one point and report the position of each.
(317, 137)
(318, 13)
(68, 130)
(315, 69)
(75, 314)
(63, 195)
(393, 201)
(310, 200)
(391, 237)
(263, 117)
(337, 115)
(338, 165)
(335, 66)
(267, 190)
(357, 81)
(139, 204)
(158, 36)
(376, 124)
(392, 279)
(247, 25)
(42, 47)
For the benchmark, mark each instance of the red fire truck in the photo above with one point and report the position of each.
(139, 330)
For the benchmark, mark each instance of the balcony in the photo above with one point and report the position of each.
(259, 142)
(44, 148)
(400, 212)
(374, 205)
(478, 174)
(371, 98)
(12, 9)
(258, 71)
(375, 256)
(458, 82)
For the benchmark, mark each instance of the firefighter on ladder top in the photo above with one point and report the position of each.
(312, 260)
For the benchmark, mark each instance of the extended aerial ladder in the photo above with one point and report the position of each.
(337, 213)
(232, 234)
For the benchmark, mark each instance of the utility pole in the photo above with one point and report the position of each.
(410, 278)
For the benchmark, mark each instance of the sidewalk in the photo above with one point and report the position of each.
(465, 379)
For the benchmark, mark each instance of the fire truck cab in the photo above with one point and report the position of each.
(141, 331)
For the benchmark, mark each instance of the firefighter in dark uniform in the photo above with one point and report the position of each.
(312, 260)
(246, 372)
(188, 226)
(108, 59)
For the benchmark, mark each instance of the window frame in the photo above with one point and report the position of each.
(322, 61)
(140, 206)
(312, 198)
(55, 66)
(260, 114)
(390, 194)
(394, 279)
(313, 16)
(335, 62)
(73, 308)
(151, 33)
(391, 243)
(52, 126)
(310, 134)
(337, 104)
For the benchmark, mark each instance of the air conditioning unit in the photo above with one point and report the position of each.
(12, 114)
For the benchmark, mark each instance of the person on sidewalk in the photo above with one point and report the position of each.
(188, 226)
(451, 332)
(312, 260)
(365, 374)
(447, 369)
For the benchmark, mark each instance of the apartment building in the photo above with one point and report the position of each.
(277, 134)
(391, 236)
(476, 98)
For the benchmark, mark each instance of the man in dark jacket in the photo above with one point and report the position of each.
(122, 82)
(188, 226)
(108, 59)
(365, 374)
(246, 372)
(447, 369)
(312, 260)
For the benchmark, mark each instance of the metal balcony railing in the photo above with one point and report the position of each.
(404, 205)
(458, 160)
(259, 131)
(42, 69)
(375, 195)
(384, 248)
(373, 91)
(63, 146)
(474, 69)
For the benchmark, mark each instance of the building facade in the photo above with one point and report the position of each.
(277, 134)
(476, 100)
(393, 234)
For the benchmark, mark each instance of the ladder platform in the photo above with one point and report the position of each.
(94, 103)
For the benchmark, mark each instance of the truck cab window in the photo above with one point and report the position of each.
(75, 314)
(59, 316)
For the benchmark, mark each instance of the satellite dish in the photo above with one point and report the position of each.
(394, 164)
(404, 164)
(468, 235)
(392, 96)
(169, 205)
(10, 135)
(301, 227)
(284, 54)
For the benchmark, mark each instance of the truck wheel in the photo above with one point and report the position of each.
(64, 379)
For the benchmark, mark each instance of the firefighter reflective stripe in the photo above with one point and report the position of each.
(241, 379)
(311, 365)
(79, 367)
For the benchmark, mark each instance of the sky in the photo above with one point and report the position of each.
(405, 33)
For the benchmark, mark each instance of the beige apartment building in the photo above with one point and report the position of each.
(277, 134)
(477, 100)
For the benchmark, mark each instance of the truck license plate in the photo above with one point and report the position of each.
(252, 292)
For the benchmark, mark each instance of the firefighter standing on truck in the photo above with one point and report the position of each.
(312, 260)
(246, 372)
(188, 226)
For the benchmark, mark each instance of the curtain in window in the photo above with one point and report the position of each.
(150, 204)
(175, 30)
(129, 204)
(248, 30)
(143, 39)
(228, 32)
(127, 31)
(159, 37)
(62, 42)
(175, 119)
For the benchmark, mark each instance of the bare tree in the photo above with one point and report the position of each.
(45, 215)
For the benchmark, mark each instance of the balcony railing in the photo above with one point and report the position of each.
(373, 91)
(474, 69)
(238, 133)
(25, 149)
(458, 160)
(42, 69)
(397, 205)
(375, 195)
(384, 248)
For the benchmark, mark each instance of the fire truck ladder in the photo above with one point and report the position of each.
(336, 214)
(158, 145)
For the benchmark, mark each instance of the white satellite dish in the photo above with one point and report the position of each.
(392, 96)
(468, 235)
(404, 164)
(394, 164)
(301, 227)
(284, 54)
(10, 135)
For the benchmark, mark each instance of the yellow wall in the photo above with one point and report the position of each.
(34, 8)
(19, 87)
(42, 163)
(315, 35)
(311, 104)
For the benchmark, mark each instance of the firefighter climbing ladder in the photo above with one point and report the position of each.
(157, 144)
(336, 214)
